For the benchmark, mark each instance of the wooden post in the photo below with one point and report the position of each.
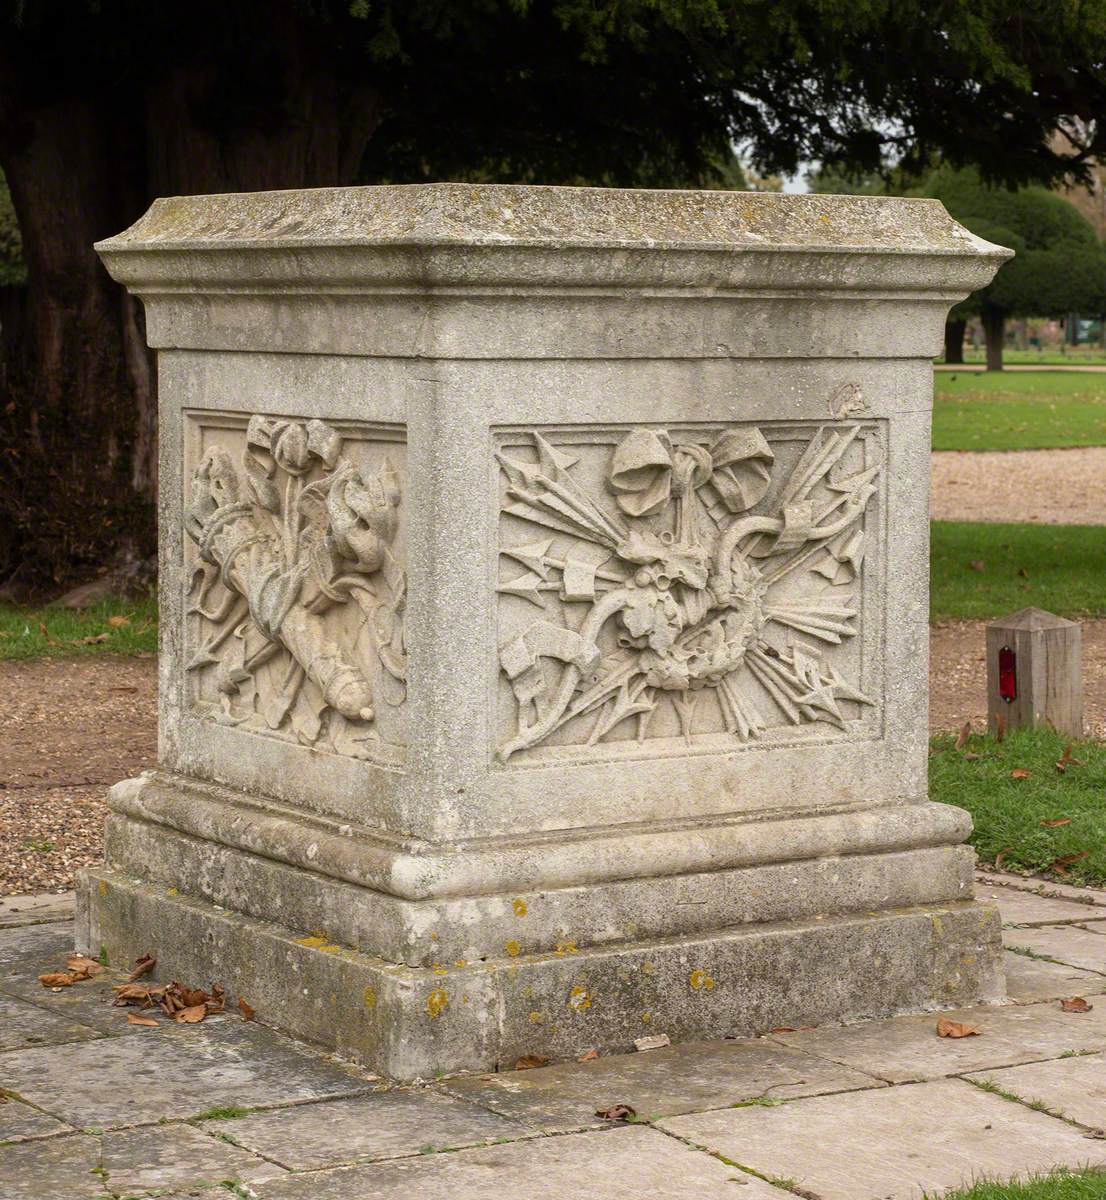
(1035, 672)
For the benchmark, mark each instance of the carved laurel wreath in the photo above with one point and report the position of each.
(688, 579)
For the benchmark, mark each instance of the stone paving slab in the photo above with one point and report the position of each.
(23, 1025)
(907, 1049)
(986, 879)
(18, 1121)
(626, 1163)
(121, 1164)
(31, 910)
(1075, 1087)
(1030, 980)
(385, 1125)
(677, 1079)
(1078, 947)
(1025, 908)
(47, 943)
(175, 1072)
(88, 1003)
(890, 1144)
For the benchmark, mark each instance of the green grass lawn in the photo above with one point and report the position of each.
(1060, 1185)
(114, 627)
(1061, 568)
(1089, 356)
(1025, 410)
(1010, 812)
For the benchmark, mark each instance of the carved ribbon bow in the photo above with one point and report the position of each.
(647, 470)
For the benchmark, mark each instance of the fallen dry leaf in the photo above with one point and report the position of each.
(118, 621)
(784, 1029)
(59, 979)
(588, 1055)
(91, 640)
(140, 994)
(971, 756)
(1065, 760)
(977, 564)
(1060, 865)
(246, 1009)
(616, 1112)
(191, 1015)
(955, 1029)
(1020, 773)
(964, 734)
(1002, 854)
(142, 966)
(216, 1001)
(1053, 822)
(138, 1019)
(529, 1061)
(1076, 1005)
(83, 967)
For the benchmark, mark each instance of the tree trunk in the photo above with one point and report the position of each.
(994, 332)
(78, 406)
(954, 341)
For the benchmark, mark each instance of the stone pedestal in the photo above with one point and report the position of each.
(544, 618)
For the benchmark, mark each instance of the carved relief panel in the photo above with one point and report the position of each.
(295, 580)
(683, 589)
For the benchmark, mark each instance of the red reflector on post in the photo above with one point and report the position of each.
(1007, 674)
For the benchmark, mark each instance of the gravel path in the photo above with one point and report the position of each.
(1047, 487)
(69, 728)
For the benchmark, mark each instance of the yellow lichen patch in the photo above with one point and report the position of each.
(314, 940)
(436, 1001)
(331, 948)
(513, 948)
(369, 996)
(527, 991)
(433, 937)
(646, 1018)
(168, 891)
(460, 963)
(102, 888)
(438, 969)
(579, 998)
(520, 907)
(567, 946)
(967, 959)
(535, 1017)
(647, 968)
(938, 927)
(700, 980)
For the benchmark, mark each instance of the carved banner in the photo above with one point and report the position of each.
(682, 572)
(296, 593)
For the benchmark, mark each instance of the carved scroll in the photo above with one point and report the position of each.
(683, 584)
(285, 535)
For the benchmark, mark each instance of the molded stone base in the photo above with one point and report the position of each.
(416, 1022)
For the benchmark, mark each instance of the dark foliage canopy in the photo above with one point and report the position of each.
(105, 104)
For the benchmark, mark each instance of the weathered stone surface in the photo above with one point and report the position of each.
(1029, 980)
(137, 1160)
(1026, 908)
(537, 594)
(19, 1121)
(126, 1163)
(1078, 947)
(908, 1048)
(23, 1024)
(632, 1164)
(1075, 1087)
(677, 1079)
(36, 909)
(742, 982)
(61, 1166)
(37, 942)
(391, 1124)
(175, 1072)
(892, 1144)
